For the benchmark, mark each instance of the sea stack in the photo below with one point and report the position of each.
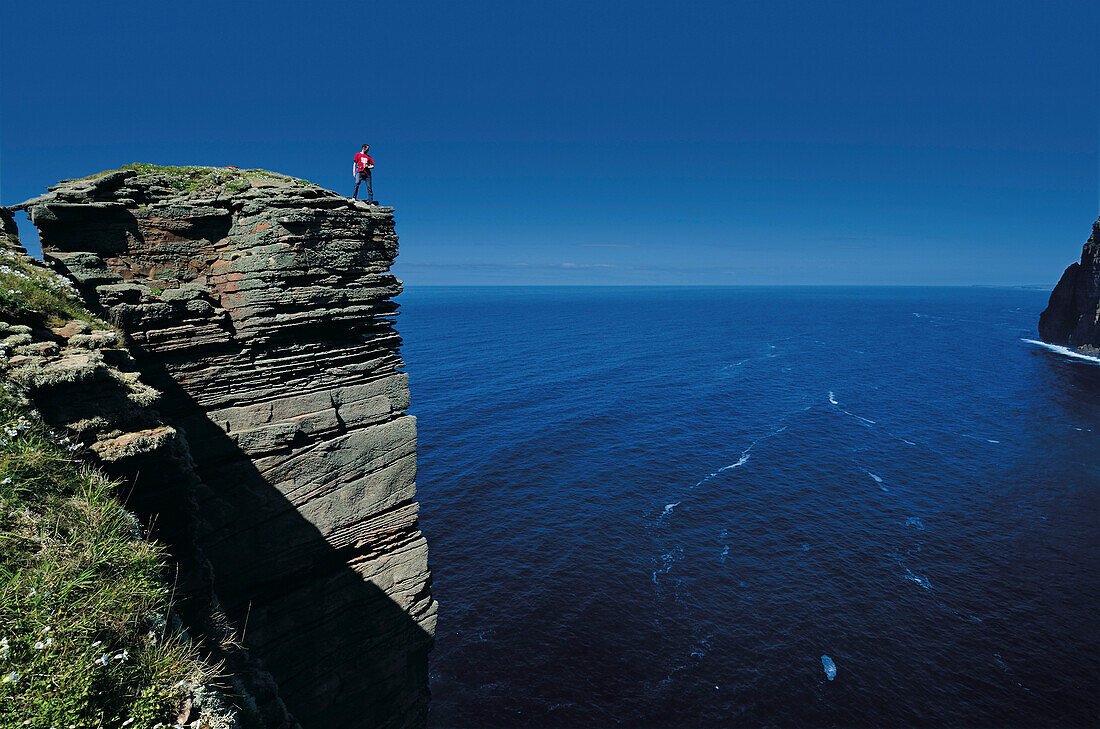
(1072, 317)
(262, 308)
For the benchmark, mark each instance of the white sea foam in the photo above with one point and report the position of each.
(914, 521)
(745, 454)
(833, 401)
(734, 364)
(877, 479)
(922, 581)
(725, 553)
(740, 462)
(972, 437)
(668, 560)
(829, 666)
(1067, 351)
(670, 507)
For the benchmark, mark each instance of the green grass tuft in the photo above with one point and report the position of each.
(25, 287)
(193, 178)
(83, 603)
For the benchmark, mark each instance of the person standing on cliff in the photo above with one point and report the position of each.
(363, 165)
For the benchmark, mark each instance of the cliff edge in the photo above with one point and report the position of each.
(261, 308)
(1072, 317)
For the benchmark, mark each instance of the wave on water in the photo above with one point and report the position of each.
(914, 521)
(698, 651)
(972, 437)
(829, 666)
(1067, 351)
(745, 454)
(735, 364)
(922, 581)
(667, 560)
(740, 462)
(877, 479)
(833, 401)
(867, 422)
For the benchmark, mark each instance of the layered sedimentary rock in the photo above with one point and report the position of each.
(80, 377)
(262, 308)
(1073, 315)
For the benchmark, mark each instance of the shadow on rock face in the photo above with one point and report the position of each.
(341, 650)
(264, 317)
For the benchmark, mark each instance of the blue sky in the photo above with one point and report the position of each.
(603, 142)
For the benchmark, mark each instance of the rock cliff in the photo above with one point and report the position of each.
(1073, 315)
(261, 308)
(76, 373)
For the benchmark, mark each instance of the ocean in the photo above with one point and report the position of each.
(687, 507)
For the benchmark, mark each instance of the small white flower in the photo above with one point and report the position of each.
(97, 644)
(11, 677)
(46, 629)
(123, 656)
(6, 481)
(49, 641)
(102, 660)
(32, 593)
(128, 722)
(39, 645)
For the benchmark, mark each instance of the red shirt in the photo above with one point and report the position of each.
(362, 161)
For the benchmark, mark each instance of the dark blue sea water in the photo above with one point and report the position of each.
(662, 507)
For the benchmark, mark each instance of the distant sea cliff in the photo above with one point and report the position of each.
(1072, 318)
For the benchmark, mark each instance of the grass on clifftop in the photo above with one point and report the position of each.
(25, 288)
(83, 638)
(192, 178)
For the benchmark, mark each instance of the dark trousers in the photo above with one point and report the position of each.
(364, 175)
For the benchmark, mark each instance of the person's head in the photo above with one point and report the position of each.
(366, 147)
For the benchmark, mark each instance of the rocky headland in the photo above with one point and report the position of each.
(249, 391)
(1072, 318)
